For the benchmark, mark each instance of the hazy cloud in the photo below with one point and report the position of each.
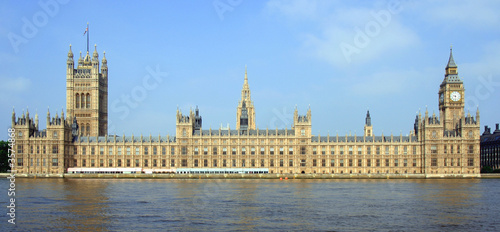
(346, 34)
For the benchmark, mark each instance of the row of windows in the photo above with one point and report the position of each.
(85, 129)
(434, 149)
(82, 101)
(254, 163)
(451, 162)
(38, 149)
(234, 151)
(37, 162)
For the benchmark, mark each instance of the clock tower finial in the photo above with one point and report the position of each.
(451, 92)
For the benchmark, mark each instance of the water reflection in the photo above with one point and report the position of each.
(255, 205)
(73, 205)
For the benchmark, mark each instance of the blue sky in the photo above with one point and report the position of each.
(338, 57)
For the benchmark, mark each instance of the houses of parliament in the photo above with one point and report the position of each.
(440, 145)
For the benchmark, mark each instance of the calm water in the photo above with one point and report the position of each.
(254, 205)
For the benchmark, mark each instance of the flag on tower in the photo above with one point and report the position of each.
(86, 29)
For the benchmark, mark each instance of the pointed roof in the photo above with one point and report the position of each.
(368, 120)
(70, 53)
(451, 62)
(245, 82)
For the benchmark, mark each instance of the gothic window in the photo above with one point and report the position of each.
(77, 101)
(471, 149)
(82, 100)
(433, 149)
(88, 101)
(470, 134)
(433, 134)
(88, 128)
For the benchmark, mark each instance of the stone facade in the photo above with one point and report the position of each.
(442, 145)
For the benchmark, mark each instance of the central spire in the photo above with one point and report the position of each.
(245, 107)
(245, 92)
(245, 82)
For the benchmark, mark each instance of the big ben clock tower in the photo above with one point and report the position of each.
(451, 96)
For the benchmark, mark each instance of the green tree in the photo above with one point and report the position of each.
(4, 159)
(486, 169)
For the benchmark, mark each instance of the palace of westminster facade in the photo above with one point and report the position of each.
(440, 145)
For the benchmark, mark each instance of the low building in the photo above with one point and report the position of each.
(490, 148)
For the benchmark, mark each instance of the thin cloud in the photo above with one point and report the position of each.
(349, 35)
(15, 85)
(473, 14)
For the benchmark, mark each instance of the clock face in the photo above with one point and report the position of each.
(455, 96)
(441, 97)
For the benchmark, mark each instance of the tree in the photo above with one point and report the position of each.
(486, 169)
(4, 159)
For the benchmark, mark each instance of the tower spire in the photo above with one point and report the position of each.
(245, 82)
(368, 120)
(451, 62)
(246, 102)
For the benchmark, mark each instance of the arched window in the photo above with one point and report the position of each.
(82, 102)
(77, 101)
(88, 101)
(88, 129)
(82, 130)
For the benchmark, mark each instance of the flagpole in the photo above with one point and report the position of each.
(88, 37)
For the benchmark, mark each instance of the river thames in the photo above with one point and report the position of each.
(253, 205)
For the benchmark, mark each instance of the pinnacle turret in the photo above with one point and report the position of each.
(368, 120)
(70, 53)
(451, 62)
(95, 55)
(104, 61)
